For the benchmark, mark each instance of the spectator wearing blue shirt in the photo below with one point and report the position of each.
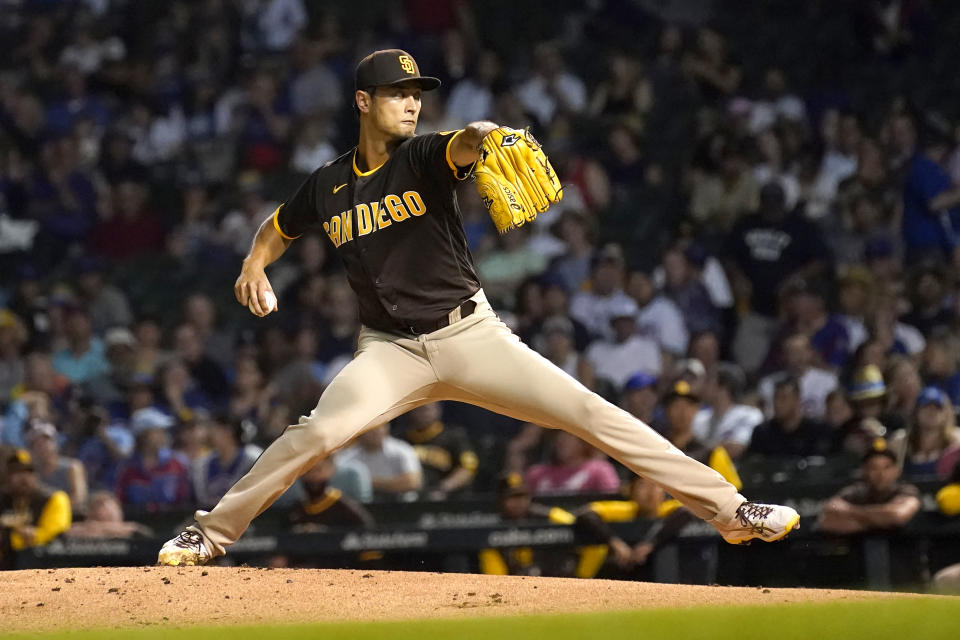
(154, 478)
(83, 359)
(931, 217)
(807, 313)
(226, 463)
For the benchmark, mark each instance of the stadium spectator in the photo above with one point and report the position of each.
(101, 445)
(574, 467)
(154, 478)
(931, 446)
(928, 290)
(552, 90)
(683, 287)
(594, 307)
(471, 99)
(681, 405)
(393, 464)
(555, 341)
(640, 399)
(939, 366)
(113, 387)
(930, 201)
(644, 500)
(805, 310)
(725, 421)
(149, 354)
(508, 264)
(789, 432)
(326, 506)
(83, 359)
(815, 383)
(904, 386)
(627, 352)
(107, 304)
(135, 228)
(204, 371)
(867, 394)
(659, 317)
(251, 395)
(515, 503)
(721, 197)
(13, 337)
(191, 439)
(53, 470)
(177, 392)
(879, 502)
(226, 462)
(572, 268)
(765, 249)
(30, 514)
(446, 455)
(105, 520)
(200, 313)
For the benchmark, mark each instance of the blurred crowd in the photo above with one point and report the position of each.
(755, 254)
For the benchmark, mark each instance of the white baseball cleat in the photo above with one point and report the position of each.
(767, 522)
(186, 549)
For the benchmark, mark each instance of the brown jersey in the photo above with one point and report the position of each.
(397, 228)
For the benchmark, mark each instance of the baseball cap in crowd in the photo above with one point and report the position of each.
(867, 384)
(10, 321)
(932, 395)
(558, 324)
(690, 366)
(39, 429)
(512, 484)
(681, 390)
(879, 448)
(624, 308)
(19, 460)
(118, 336)
(390, 66)
(640, 380)
(149, 418)
(610, 252)
(856, 276)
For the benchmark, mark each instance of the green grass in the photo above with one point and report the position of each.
(898, 619)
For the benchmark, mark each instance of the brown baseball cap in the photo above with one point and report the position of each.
(390, 66)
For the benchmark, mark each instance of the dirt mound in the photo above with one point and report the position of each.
(124, 597)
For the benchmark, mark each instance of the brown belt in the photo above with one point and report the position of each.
(429, 326)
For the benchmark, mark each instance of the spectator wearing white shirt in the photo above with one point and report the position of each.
(726, 422)
(315, 89)
(617, 359)
(658, 317)
(279, 22)
(394, 466)
(594, 308)
(552, 89)
(471, 99)
(815, 383)
(313, 150)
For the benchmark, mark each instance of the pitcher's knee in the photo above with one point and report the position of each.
(320, 436)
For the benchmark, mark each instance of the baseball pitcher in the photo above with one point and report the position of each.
(389, 208)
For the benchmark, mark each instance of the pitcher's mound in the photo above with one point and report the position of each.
(122, 597)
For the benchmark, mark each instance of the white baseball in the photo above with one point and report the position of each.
(271, 301)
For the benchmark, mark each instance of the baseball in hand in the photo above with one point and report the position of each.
(271, 305)
(271, 301)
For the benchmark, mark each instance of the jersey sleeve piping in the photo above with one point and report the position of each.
(457, 171)
(276, 225)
